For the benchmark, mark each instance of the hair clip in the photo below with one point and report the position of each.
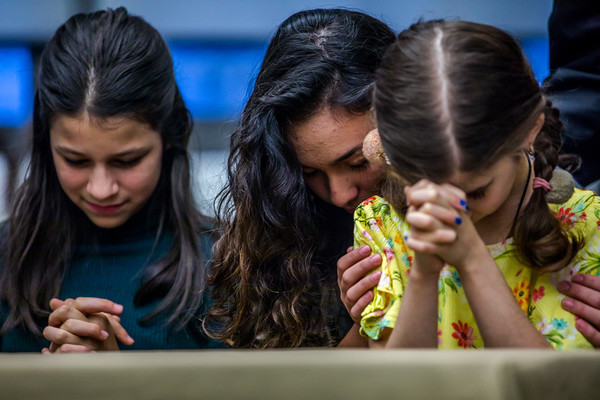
(541, 183)
(373, 149)
(562, 187)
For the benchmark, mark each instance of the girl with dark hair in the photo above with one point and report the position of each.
(105, 215)
(463, 99)
(296, 172)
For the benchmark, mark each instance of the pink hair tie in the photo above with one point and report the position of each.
(541, 183)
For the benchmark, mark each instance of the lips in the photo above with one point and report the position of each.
(107, 209)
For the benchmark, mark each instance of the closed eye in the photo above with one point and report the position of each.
(361, 166)
(128, 163)
(476, 194)
(308, 172)
(75, 162)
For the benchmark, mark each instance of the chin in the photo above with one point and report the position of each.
(107, 223)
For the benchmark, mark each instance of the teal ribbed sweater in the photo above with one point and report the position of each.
(111, 267)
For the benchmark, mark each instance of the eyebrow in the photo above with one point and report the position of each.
(137, 150)
(348, 154)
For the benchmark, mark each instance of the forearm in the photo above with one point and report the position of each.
(353, 339)
(501, 321)
(416, 325)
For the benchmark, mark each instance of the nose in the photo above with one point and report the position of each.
(102, 184)
(343, 192)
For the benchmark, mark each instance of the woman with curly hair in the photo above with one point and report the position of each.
(296, 172)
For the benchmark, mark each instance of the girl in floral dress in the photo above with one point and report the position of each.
(474, 240)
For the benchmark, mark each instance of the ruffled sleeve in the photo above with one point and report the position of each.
(379, 226)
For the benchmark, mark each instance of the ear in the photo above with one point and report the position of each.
(539, 123)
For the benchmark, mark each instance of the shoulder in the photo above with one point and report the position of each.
(375, 207)
(580, 213)
(4, 235)
(4, 227)
(377, 220)
(207, 236)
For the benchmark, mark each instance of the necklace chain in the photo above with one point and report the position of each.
(522, 195)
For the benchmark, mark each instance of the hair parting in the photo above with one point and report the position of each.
(465, 98)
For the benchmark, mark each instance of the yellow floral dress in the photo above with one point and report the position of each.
(380, 227)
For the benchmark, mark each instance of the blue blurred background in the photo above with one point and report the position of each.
(217, 48)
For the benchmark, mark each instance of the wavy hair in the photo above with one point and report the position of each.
(269, 287)
(465, 97)
(106, 63)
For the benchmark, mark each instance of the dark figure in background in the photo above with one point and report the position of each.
(574, 83)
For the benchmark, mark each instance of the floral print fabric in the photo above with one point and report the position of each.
(380, 227)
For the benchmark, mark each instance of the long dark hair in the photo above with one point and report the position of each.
(460, 96)
(105, 63)
(269, 290)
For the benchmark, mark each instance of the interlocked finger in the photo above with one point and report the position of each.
(64, 313)
(59, 337)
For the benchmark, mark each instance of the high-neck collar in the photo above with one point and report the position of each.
(144, 221)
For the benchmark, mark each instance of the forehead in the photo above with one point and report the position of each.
(93, 132)
(328, 135)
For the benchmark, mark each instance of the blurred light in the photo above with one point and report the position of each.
(216, 79)
(538, 53)
(16, 86)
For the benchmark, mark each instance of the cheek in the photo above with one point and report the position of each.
(318, 186)
(492, 202)
(371, 178)
(70, 178)
(141, 180)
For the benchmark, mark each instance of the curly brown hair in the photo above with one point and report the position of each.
(273, 284)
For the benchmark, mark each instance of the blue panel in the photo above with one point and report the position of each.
(215, 80)
(537, 51)
(16, 86)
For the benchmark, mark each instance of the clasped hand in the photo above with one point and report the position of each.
(84, 324)
(441, 230)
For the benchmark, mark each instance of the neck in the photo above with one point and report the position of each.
(498, 226)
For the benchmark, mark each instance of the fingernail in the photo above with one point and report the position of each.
(564, 286)
(118, 308)
(464, 204)
(130, 339)
(365, 250)
(581, 325)
(375, 276)
(375, 258)
(568, 303)
(577, 278)
(458, 220)
(103, 335)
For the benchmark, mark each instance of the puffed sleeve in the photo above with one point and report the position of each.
(377, 225)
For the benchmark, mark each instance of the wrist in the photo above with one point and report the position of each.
(477, 260)
(423, 276)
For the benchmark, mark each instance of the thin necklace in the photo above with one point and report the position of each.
(523, 194)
